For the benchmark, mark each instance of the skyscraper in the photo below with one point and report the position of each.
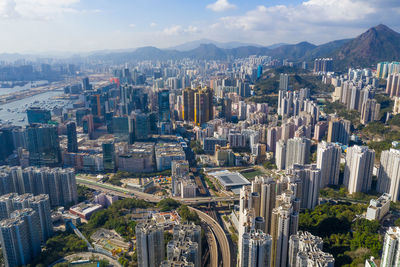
(310, 177)
(297, 151)
(188, 104)
(149, 244)
(280, 155)
(391, 248)
(86, 84)
(389, 174)
(203, 106)
(38, 115)
(370, 111)
(43, 145)
(328, 161)
(284, 82)
(339, 131)
(108, 157)
(256, 249)
(72, 137)
(19, 239)
(141, 125)
(163, 106)
(358, 169)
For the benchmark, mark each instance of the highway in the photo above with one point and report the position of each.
(219, 234)
(212, 245)
(125, 192)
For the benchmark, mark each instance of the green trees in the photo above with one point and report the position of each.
(168, 204)
(187, 215)
(343, 232)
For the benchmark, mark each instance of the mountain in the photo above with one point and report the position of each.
(292, 52)
(195, 44)
(379, 43)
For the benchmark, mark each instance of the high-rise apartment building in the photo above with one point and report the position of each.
(19, 239)
(150, 244)
(389, 174)
(297, 151)
(188, 104)
(72, 145)
(391, 248)
(306, 250)
(256, 249)
(358, 169)
(203, 106)
(370, 111)
(284, 82)
(339, 131)
(58, 183)
(280, 155)
(328, 161)
(43, 145)
(310, 177)
(393, 85)
(323, 65)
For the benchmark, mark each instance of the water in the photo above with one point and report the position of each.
(15, 112)
(29, 85)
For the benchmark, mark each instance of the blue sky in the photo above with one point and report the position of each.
(88, 25)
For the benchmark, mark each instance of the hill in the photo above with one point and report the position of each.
(379, 43)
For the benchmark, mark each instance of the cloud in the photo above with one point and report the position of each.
(153, 24)
(312, 20)
(36, 9)
(221, 5)
(178, 30)
(132, 25)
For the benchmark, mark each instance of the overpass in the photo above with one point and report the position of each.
(219, 234)
(129, 193)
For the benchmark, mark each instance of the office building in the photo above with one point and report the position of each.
(370, 111)
(391, 248)
(306, 250)
(72, 137)
(297, 151)
(43, 145)
(163, 106)
(108, 157)
(328, 161)
(339, 131)
(358, 169)
(86, 84)
(378, 208)
(38, 115)
(149, 244)
(166, 153)
(389, 174)
(141, 125)
(256, 249)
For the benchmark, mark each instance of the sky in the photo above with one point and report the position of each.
(35, 26)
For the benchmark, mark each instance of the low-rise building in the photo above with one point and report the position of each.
(85, 210)
(166, 153)
(378, 208)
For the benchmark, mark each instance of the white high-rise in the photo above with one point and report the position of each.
(328, 161)
(280, 155)
(310, 177)
(389, 174)
(358, 169)
(297, 151)
(391, 248)
(256, 249)
(149, 244)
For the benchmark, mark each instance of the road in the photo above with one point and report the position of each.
(219, 234)
(129, 193)
(87, 255)
(212, 245)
